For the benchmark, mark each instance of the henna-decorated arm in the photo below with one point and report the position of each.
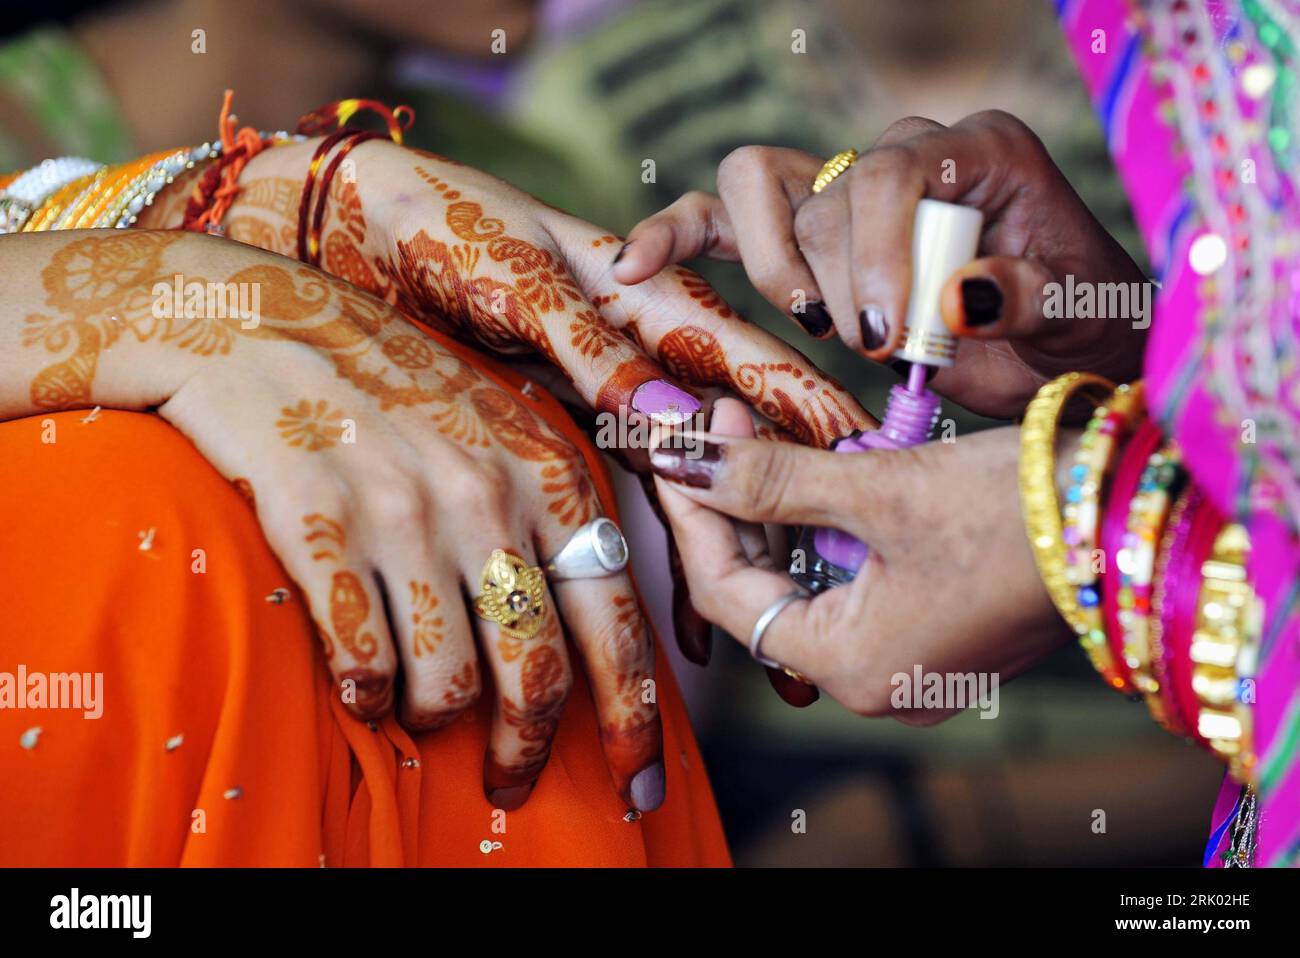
(456, 246)
(383, 468)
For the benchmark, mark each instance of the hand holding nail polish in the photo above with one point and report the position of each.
(961, 595)
(847, 251)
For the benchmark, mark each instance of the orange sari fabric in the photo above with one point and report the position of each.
(222, 740)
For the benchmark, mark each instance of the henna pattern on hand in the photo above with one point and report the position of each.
(349, 603)
(815, 416)
(426, 625)
(311, 425)
(91, 281)
(544, 690)
(565, 480)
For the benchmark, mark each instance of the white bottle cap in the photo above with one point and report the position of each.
(945, 237)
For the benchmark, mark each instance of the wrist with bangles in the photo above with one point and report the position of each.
(1143, 568)
(77, 193)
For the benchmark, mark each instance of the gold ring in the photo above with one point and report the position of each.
(832, 168)
(511, 595)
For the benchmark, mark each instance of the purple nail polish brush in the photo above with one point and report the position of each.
(944, 237)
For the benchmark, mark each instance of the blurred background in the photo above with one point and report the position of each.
(567, 101)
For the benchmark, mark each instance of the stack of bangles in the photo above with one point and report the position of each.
(1143, 567)
(75, 193)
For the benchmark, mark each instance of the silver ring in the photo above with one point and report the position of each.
(766, 619)
(595, 551)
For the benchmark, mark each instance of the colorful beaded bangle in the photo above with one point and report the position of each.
(1161, 482)
(1133, 460)
(1042, 514)
(144, 188)
(1159, 697)
(1093, 460)
(1228, 622)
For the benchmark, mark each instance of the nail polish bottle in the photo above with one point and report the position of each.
(945, 237)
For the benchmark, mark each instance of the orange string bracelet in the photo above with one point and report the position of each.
(216, 190)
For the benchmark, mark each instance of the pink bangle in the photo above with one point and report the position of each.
(1164, 708)
(1144, 442)
(1182, 602)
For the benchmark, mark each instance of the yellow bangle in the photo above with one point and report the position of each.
(1042, 511)
(56, 203)
(1229, 619)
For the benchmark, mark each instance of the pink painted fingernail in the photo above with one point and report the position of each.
(664, 403)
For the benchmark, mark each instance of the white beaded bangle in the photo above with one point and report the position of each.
(26, 193)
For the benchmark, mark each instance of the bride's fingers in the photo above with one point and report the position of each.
(604, 620)
(533, 678)
(435, 641)
(680, 320)
(319, 551)
(693, 632)
(612, 373)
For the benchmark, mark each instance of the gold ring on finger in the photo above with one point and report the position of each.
(511, 594)
(832, 168)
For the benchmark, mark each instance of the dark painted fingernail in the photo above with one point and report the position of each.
(814, 319)
(619, 255)
(904, 369)
(981, 301)
(796, 693)
(694, 632)
(694, 465)
(511, 797)
(875, 328)
(648, 787)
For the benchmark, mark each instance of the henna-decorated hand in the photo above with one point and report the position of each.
(463, 250)
(383, 467)
(848, 250)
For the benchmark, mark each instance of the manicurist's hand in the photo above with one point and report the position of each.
(950, 583)
(383, 467)
(839, 261)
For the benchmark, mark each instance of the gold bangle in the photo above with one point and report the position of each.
(1043, 514)
(832, 168)
(1229, 618)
